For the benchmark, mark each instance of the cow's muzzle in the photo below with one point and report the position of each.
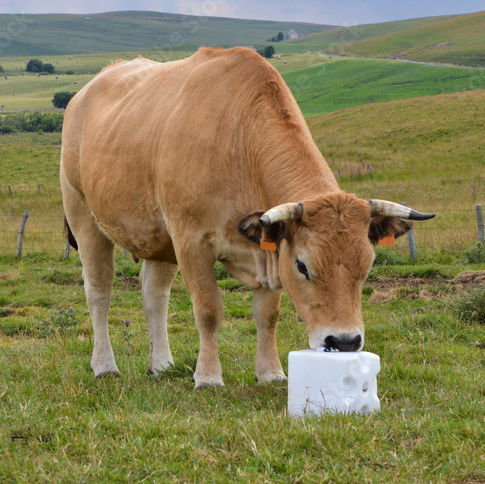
(343, 343)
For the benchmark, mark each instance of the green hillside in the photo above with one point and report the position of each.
(348, 83)
(320, 84)
(344, 35)
(128, 31)
(429, 151)
(457, 40)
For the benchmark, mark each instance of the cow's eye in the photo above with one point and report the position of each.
(302, 268)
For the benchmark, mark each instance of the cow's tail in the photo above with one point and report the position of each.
(70, 237)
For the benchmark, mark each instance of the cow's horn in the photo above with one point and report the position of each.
(384, 208)
(281, 213)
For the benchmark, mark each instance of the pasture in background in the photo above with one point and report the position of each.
(320, 83)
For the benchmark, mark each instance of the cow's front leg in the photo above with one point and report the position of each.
(156, 280)
(197, 269)
(266, 308)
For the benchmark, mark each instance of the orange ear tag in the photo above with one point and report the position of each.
(266, 243)
(390, 240)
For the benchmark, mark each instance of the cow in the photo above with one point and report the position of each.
(208, 159)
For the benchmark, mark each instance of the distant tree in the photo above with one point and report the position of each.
(6, 130)
(269, 52)
(61, 99)
(280, 36)
(48, 68)
(34, 65)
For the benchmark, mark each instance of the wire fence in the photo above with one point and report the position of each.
(451, 232)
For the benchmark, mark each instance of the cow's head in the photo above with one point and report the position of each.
(325, 255)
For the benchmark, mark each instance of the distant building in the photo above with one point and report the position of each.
(292, 34)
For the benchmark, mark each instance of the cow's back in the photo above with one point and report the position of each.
(155, 145)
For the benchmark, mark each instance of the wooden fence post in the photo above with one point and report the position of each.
(25, 216)
(411, 242)
(478, 210)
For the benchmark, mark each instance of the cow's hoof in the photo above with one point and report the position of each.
(271, 377)
(160, 369)
(202, 385)
(108, 374)
(208, 383)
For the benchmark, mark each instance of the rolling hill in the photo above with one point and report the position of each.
(456, 40)
(344, 35)
(344, 83)
(132, 30)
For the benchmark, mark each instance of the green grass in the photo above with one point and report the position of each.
(347, 83)
(427, 152)
(465, 33)
(32, 92)
(86, 63)
(319, 84)
(134, 30)
(26, 91)
(59, 424)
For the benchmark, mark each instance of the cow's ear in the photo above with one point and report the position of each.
(252, 229)
(386, 226)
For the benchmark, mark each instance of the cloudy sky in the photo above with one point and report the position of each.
(333, 12)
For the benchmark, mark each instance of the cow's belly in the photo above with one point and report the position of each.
(145, 238)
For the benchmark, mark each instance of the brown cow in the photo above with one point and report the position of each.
(189, 162)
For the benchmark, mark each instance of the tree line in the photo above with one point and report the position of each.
(31, 123)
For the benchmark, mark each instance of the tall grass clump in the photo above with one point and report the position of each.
(64, 323)
(475, 255)
(470, 308)
(387, 258)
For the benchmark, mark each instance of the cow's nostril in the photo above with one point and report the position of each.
(343, 343)
(330, 342)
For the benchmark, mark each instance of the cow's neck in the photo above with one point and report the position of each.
(295, 172)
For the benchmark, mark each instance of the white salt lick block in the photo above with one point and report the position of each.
(342, 382)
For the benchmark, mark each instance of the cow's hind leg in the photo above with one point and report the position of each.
(96, 252)
(98, 272)
(156, 280)
(266, 306)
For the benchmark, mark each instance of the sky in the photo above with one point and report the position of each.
(330, 12)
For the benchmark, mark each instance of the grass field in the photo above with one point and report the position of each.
(59, 424)
(341, 84)
(456, 40)
(319, 83)
(23, 90)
